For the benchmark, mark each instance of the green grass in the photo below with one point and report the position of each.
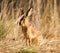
(3, 30)
(27, 51)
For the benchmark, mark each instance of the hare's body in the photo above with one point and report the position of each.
(28, 29)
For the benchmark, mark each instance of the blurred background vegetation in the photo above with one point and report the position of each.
(45, 12)
(45, 17)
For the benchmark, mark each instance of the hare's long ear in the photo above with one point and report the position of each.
(29, 12)
(21, 11)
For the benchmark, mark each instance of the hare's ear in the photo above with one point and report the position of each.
(29, 12)
(21, 11)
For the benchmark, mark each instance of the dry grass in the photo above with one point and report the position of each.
(45, 19)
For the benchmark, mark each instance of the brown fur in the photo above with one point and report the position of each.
(28, 30)
(21, 11)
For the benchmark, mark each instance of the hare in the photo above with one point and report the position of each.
(27, 28)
